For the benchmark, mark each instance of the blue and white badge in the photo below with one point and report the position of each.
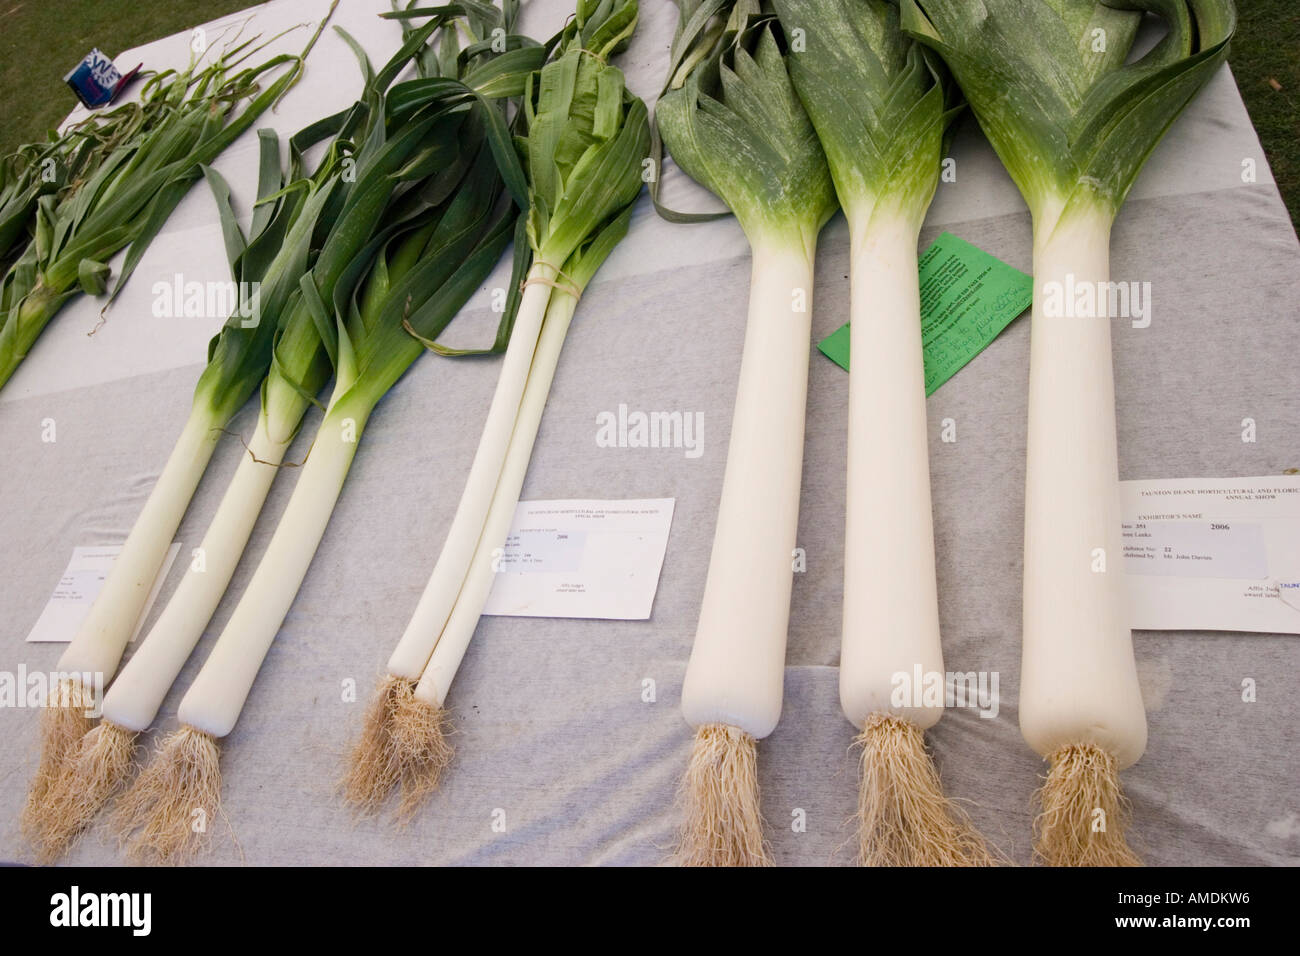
(95, 80)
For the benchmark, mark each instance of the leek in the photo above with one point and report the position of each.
(586, 138)
(62, 164)
(1073, 121)
(273, 257)
(445, 232)
(881, 104)
(190, 118)
(345, 212)
(731, 119)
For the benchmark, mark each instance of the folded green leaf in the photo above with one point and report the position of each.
(880, 102)
(92, 276)
(731, 118)
(587, 135)
(1050, 82)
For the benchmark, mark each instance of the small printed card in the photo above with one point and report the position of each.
(78, 588)
(1213, 554)
(967, 298)
(582, 559)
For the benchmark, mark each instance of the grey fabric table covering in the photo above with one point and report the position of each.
(551, 725)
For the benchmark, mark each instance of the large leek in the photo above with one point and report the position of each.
(1073, 121)
(731, 119)
(881, 104)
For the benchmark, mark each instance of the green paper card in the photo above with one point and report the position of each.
(967, 298)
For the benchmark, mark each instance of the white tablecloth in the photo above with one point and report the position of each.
(551, 723)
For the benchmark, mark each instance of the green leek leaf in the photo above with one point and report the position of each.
(731, 118)
(1052, 86)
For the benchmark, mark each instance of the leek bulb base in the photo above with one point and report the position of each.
(1084, 815)
(737, 665)
(891, 601)
(1079, 679)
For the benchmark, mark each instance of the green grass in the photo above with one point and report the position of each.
(1266, 60)
(41, 40)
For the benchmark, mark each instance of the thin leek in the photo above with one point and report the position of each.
(336, 210)
(586, 137)
(238, 358)
(446, 233)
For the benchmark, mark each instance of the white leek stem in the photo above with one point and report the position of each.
(463, 620)
(103, 635)
(412, 652)
(891, 602)
(1078, 680)
(134, 698)
(217, 695)
(737, 664)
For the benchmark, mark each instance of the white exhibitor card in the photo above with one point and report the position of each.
(80, 585)
(582, 559)
(1213, 554)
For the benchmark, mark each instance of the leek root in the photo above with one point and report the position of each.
(63, 723)
(904, 819)
(93, 772)
(723, 822)
(1084, 815)
(169, 810)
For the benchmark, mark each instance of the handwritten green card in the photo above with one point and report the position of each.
(967, 298)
